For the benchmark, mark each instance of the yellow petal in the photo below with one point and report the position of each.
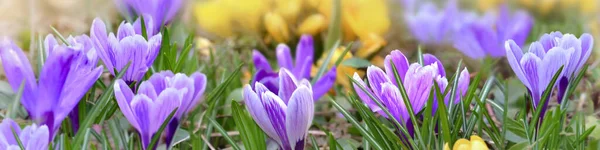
(277, 27)
(312, 25)
(247, 14)
(446, 147)
(477, 143)
(215, 24)
(370, 44)
(289, 9)
(462, 144)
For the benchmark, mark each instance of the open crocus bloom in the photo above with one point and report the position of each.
(68, 73)
(417, 79)
(128, 45)
(536, 67)
(301, 68)
(580, 48)
(161, 11)
(430, 25)
(285, 117)
(32, 136)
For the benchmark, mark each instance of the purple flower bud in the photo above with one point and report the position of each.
(32, 136)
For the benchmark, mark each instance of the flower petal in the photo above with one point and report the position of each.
(166, 102)
(364, 96)
(284, 57)
(18, 71)
(124, 96)
(400, 62)
(287, 84)
(429, 59)
(260, 62)
(514, 55)
(125, 30)
(376, 78)
(35, 137)
(392, 99)
(258, 111)
(324, 84)
(304, 50)
(530, 64)
(275, 109)
(299, 115)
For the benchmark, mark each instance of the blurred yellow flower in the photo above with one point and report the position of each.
(586, 7)
(484, 5)
(288, 9)
(476, 143)
(224, 17)
(276, 27)
(312, 25)
(367, 19)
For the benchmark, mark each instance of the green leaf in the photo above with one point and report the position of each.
(156, 136)
(86, 139)
(334, 32)
(224, 133)
(60, 36)
(251, 135)
(143, 24)
(12, 129)
(97, 109)
(356, 62)
(12, 111)
(366, 134)
(520, 146)
(315, 145)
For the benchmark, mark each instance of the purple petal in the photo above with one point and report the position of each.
(514, 55)
(299, 115)
(147, 88)
(284, 57)
(260, 62)
(537, 49)
(183, 82)
(49, 43)
(469, 43)
(35, 137)
(400, 62)
(6, 128)
(52, 80)
(258, 111)
(530, 64)
(429, 59)
(199, 87)
(549, 65)
(376, 78)
(154, 44)
(268, 79)
(124, 97)
(166, 102)
(392, 99)
(158, 80)
(275, 109)
(302, 70)
(587, 44)
(77, 85)
(18, 71)
(134, 50)
(364, 96)
(151, 29)
(325, 83)
(125, 30)
(287, 84)
(463, 85)
(142, 106)
(418, 84)
(304, 51)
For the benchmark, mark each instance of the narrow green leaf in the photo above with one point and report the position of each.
(62, 38)
(12, 129)
(224, 133)
(356, 124)
(86, 139)
(143, 24)
(334, 31)
(315, 145)
(251, 135)
(12, 111)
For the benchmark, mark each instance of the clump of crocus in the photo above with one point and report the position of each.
(161, 11)
(537, 66)
(286, 116)
(32, 136)
(484, 36)
(195, 85)
(128, 46)
(156, 99)
(432, 26)
(417, 79)
(301, 68)
(67, 74)
(476, 143)
(580, 48)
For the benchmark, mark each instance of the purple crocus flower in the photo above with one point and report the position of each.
(149, 108)
(432, 26)
(536, 67)
(485, 36)
(285, 117)
(127, 46)
(32, 136)
(301, 68)
(67, 74)
(417, 79)
(161, 11)
(581, 49)
(195, 86)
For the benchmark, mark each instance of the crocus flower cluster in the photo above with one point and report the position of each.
(161, 11)
(417, 79)
(432, 26)
(541, 62)
(32, 136)
(67, 74)
(128, 46)
(195, 85)
(285, 117)
(301, 68)
(484, 36)
(156, 99)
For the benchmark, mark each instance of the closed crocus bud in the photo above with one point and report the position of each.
(276, 27)
(313, 24)
(289, 10)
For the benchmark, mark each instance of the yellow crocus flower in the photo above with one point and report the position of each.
(342, 70)
(313, 24)
(476, 143)
(225, 17)
(276, 27)
(288, 9)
